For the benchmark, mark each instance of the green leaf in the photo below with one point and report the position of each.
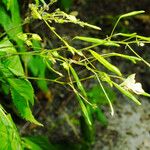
(22, 93)
(133, 13)
(96, 95)
(38, 143)
(97, 41)
(23, 88)
(14, 9)
(5, 88)
(11, 23)
(81, 88)
(104, 62)
(23, 107)
(88, 132)
(91, 26)
(131, 58)
(5, 20)
(14, 65)
(79, 84)
(38, 69)
(37, 66)
(100, 116)
(11, 62)
(66, 4)
(9, 136)
(143, 37)
(85, 111)
(5, 73)
(31, 145)
(126, 93)
(126, 34)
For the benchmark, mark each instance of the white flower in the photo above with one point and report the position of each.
(141, 44)
(131, 85)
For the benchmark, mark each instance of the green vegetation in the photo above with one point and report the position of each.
(22, 54)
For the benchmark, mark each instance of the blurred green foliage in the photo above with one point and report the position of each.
(65, 4)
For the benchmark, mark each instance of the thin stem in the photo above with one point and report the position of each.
(114, 28)
(89, 47)
(50, 80)
(109, 101)
(48, 65)
(77, 92)
(56, 33)
(148, 64)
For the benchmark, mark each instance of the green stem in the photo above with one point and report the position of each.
(114, 28)
(148, 64)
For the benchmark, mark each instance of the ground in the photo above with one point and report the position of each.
(128, 129)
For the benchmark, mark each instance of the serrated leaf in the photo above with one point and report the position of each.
(23, 88)
(97, 41)
(9, 137)
(5, 72)
(23, 107)
(14, 65)
(12, 62)
(105, 63)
